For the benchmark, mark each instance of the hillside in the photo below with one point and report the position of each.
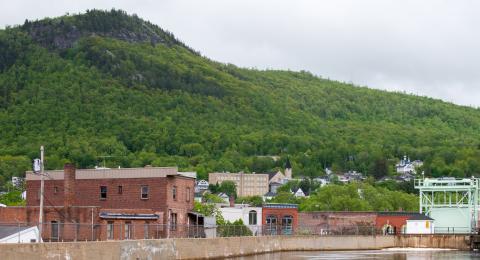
(105, 83)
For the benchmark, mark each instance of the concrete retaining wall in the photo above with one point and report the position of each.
(461, 242)
(217, 247)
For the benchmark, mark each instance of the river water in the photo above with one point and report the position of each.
(392, 253)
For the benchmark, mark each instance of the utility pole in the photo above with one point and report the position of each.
(42, 183)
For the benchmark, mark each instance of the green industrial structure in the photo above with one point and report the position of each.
(452, 203)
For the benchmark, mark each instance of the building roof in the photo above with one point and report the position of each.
(269, 194)
(8, 230)
(271, 175)
(280, 206)
(420, 217)
(114, 173)
(410, 215)
(108, 215)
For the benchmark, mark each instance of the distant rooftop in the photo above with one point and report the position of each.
(280, 206)
(7, 230)
(107, 173)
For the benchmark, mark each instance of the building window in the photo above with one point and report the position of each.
(55, 190)
(287, 225)
(144, 191)
(120, 189)
(110, 226)
(252, 217)
(103, 192)
(54, 231)
(188, 195)
(174, 193)
(271, 227)
(173, 221)
(128, 230)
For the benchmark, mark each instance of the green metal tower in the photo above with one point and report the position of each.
(452, 203)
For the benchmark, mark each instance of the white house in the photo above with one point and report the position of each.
(18, 234)
(224, 197)
(17, 181)
(323, 181)
(251, 216)
(407, 166)
(420, 224)
(299, 193)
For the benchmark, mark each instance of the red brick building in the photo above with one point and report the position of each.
(279, 218)
(100, 204)
(354, 222)
(394, 222)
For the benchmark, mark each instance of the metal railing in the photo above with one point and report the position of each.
(64, 232)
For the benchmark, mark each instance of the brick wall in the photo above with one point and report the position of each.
(337, 219)
(87, 193)
(279, 213)
(397, 222)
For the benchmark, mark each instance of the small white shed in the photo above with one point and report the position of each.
(420, 224)
(18, 234)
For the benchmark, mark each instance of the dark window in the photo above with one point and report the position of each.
(144, 192)
(287, 225)
(188, 195)
(174, 192)
(120, 189)
(103, 192)
(128, 230)
(271, 227)
(54, 230)
(110, 226)
(252, 217)
(55, 189)
(173, 221)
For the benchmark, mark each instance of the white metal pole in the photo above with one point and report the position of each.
(40, 216)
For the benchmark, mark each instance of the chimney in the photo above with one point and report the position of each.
(232, 201)
(69, 185)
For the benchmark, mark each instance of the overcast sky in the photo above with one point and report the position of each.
(423, 47)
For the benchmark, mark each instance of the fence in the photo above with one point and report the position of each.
(58, 232)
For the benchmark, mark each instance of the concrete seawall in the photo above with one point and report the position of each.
(217, 247)
(461, 242)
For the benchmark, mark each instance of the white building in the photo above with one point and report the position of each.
(251, 216)
(407, 166)
(420, 224)
(299, 193)
(201, 185)
(17, 181)
(322, 180)
(18, 234)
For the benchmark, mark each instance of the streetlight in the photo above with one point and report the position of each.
(39, 169)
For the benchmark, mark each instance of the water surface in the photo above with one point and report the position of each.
(392, 253)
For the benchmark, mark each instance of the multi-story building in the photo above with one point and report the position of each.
(246, 184)
(107, 203)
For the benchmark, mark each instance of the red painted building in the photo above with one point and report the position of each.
(394, 222)
(279, 218)
(100, 204)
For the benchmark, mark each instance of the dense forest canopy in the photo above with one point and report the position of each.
(105, 83)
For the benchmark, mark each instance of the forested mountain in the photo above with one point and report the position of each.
(104, 83)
